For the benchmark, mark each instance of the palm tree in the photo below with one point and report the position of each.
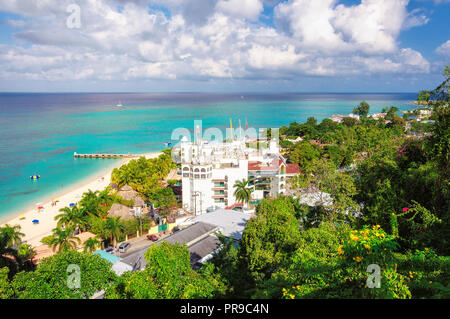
(90, 202)
(91, 244)
(11, 235)
(6, 252)
(242, 192)
(26, 254)
(113, 228)
(62, 240)
(72, 218)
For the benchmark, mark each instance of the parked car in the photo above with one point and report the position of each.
(152, 237)
(124, 247)
(109, 250)
(176, 228)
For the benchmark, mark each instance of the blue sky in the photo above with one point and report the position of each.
(223, 45)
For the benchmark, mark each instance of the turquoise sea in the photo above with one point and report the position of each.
(40, 132)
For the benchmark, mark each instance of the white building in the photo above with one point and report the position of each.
(210, 170)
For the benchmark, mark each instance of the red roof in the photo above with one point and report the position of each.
(234, 205)
(292, 169)
(259, 166)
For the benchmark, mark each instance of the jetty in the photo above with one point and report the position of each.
(99, 155)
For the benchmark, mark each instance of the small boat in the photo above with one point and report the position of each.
(120, 104)
(35, 177)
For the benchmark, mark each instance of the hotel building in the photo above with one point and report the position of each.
(210, 170)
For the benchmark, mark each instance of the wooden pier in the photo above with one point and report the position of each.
(75, 154)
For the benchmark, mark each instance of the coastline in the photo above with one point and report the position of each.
(35, 232)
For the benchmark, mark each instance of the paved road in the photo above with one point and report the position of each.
(138, 244)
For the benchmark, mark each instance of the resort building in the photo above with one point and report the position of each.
(210, 171)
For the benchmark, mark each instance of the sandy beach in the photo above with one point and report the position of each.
(35, 232)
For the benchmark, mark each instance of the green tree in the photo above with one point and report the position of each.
(391, 112)
(73, 218)
(242, 191)
(91, 244)
(113, 228)
(51, 278)
(362, 109)
(6, 288)
(268, 239)
(11, 235)
(62, 240)
(167, 275)
(164, 199)
(303, 153)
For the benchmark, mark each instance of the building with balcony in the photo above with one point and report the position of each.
(210, 170)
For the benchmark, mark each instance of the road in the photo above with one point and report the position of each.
(138, 244)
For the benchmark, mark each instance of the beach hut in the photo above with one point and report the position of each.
(119, 210)
(127, 193)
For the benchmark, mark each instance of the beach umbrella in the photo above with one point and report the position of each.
(22, 217)
(71, 204)
(56, 199)
(39, 204)
(35, 221)
(41, 207)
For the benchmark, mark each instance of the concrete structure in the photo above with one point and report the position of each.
(210, 170)
(189, 236)
(230, 223)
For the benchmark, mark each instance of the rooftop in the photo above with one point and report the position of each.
(107, 256)
(203, 248)
(230, 222)
(189, 235)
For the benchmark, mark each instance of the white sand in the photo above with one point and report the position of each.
(35, 232)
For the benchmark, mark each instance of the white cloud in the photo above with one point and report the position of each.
(248, 9)
(444, 49)
(415, 18)
(319, 38)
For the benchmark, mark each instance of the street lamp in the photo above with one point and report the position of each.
(195, 194)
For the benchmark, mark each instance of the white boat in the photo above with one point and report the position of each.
(120, 104)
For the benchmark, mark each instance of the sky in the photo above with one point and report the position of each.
(223, 45)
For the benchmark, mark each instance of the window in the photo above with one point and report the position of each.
(203, 170)
(219, 200)
(203, 176)
(186, 175)
(196, 176)
(186, 168)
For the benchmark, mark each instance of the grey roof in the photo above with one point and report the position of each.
(136, 260)
(120, 267)
(203, 248)
(230, 222)
(189, 235)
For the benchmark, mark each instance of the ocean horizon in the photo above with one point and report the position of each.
(41, 131)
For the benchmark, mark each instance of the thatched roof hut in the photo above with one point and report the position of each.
(119, 210)
(127, 193)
